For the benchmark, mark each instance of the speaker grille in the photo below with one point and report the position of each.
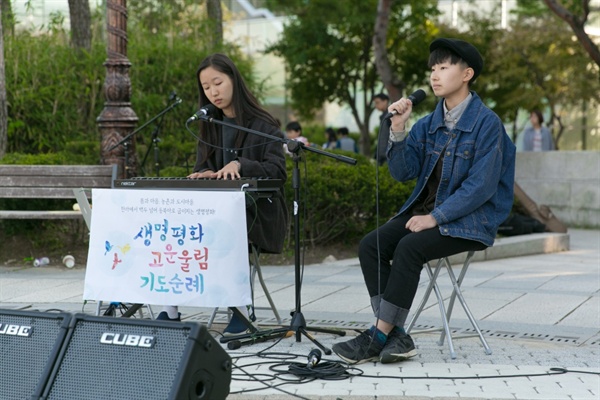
(25, 359)
(92, 370)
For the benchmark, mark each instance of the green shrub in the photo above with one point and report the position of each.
(338, 201)
(55, 94)
(72, 155)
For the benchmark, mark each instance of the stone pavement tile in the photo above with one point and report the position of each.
(518, 281)
(43, 292)
(553, 388)
(567, 388)
(430, 389)
(284, 301)
(315, 273)
(481, 302)
(538, 308)
(346, 299)
(272, 287)
(11, 289)
(575, 279)
(586, 315)
(492, 388)
(346, 276)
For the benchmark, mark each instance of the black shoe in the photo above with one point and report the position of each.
(361, 349)
(237, 326)
(399, 347)
(164, 316)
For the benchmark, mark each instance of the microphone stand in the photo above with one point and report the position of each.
(298, 323)
(126, 140)
(155, 141)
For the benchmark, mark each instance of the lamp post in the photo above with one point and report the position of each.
(117, 119)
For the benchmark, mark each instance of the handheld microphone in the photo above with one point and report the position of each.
(313, 358)
(203, 112)
(415, 98)
(234, 345)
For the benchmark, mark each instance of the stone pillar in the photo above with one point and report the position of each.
(117, 119)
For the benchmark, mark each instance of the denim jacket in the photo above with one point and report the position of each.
(475, 194)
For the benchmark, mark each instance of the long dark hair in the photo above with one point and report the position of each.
(540, 116)
(245, 105)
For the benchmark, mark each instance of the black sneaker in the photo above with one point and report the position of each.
(237, 326)
(399, 347)
(164, 316)
(361, 349)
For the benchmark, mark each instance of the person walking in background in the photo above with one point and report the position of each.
(331, 138)
(345, 142)
(293, 131)
(537, 137)
(224, 152)
(381, 102)
(464, 164)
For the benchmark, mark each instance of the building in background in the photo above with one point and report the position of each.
(37, 14)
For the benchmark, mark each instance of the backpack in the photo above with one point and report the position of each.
(519, 224)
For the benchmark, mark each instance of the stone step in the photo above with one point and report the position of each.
(518, 246)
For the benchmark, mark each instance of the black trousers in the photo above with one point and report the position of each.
(393, 274)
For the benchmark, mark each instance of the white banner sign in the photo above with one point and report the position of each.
(186, 248)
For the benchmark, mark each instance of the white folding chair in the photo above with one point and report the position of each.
(255, 270)
(446, 314)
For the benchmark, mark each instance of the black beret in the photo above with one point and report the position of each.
(464, 50)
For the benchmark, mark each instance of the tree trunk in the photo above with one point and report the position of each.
(577, 24)
(394, 86)
(3, 107)
(8, 18)
(561, 129)
(81, 24)
(215, 16)
(542, 213)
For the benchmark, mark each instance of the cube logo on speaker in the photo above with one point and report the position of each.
(121, 339)
(16, 330)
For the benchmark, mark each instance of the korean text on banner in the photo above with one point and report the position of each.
(186, 248)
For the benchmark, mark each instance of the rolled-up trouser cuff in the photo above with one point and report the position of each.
(375, 301)
(392, 314)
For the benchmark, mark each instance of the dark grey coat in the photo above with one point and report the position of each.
(259, 158)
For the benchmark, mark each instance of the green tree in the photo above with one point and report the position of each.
(328, 51)
(3, 107)
(546, 68)
(393, 85)
(535, 63)
(215, 15)
(81, 24)
(8, 17)
(576, 13)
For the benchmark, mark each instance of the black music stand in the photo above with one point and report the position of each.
(298, 323)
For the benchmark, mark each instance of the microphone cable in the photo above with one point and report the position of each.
(326, 370)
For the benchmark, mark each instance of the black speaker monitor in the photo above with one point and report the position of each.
(29, 343)
(128, 359)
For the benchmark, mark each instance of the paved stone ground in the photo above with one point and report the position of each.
(537, 312)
